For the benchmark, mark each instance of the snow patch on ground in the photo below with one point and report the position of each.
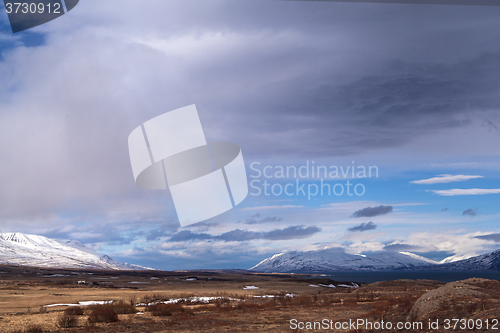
(83, 303)
(201, 299)
(273, 296)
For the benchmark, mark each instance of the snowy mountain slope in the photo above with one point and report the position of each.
(33, 250)
(335, 259)
(489, 261)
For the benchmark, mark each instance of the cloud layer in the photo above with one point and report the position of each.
(287, 81)
(239, 235)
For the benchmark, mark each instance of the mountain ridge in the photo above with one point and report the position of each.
(336, 259)
(39, 251)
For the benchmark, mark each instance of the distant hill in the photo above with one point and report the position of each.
(39, 251)
(484, 262)
(335, 259)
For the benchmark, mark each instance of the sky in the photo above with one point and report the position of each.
(408, 92)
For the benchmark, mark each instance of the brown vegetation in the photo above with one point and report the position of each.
(103, 315)
(164, 303)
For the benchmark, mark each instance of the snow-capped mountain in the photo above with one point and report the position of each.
(489, 261)
(335, 259)
(39, 251)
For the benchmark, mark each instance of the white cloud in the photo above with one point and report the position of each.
(361, 247)
(469, 191)
(461, 245)
(445, 179)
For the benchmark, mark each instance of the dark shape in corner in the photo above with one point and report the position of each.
(31, 13)
(70, 4)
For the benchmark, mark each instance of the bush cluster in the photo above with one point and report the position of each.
(103, 315)
(162, 309)
(66, 321)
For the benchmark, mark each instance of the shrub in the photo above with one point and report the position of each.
(66, 321)
(247, 306)
(405, 303)
(34, 329)
(303, 300)
(162, 309)
(119, 307)
(103, 316)
(124, 308)
(350, 302)
(73, 311)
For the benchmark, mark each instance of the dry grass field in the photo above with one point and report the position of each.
(219, 301)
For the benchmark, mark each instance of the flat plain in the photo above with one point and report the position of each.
(34, 300)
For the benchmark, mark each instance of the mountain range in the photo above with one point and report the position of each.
(39, 251)
(335, 259)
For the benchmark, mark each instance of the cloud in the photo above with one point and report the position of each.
(445, 179)
(470, 191)
(272, 207)
(255, 219)
(401, 247)
(363, 227)
(449, 242)
(372, 211)
(196, 254)
(470, 212)
(239, 235)
(166, 229)
(261, 78)
(492, 237)
(186, 235)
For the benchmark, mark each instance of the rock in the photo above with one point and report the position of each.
(457, 293)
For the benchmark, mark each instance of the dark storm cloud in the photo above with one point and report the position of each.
(470, 212)
(278, 78)
(256, 219)
(372, 211)
(384, 110)
(239, 235)
(363, 227)
(492, 237)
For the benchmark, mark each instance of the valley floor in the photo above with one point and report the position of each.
(218, 301)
